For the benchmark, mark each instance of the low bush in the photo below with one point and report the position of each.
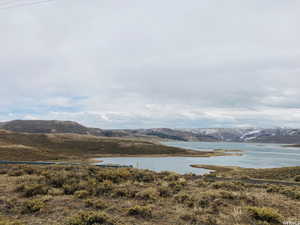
(147, 194)
(15, 173)
(190, 217)
(9, 222)
(290, 193)
(297, 178)
(228, 195)
(230, 186)
(55, 191)
(172, 177)
(56, 179)
(91, 218)
(175, 186)
(32, 206)
(265, 214)
(165, 191)
(184, 198)
(103, 187)
(30, 190)
(81, 194)
(70, 189)
(144, 176)
(142, 211)
(96, 204)
(121, 192)
(197, 218)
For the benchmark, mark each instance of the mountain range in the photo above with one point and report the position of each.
(259, 135)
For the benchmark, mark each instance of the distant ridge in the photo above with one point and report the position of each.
(49, 126)
(258, 135)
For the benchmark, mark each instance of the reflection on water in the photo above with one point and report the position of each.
(254, 156)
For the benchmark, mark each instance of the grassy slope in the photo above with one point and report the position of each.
(63, 195)
(22, 146)
(283, 174)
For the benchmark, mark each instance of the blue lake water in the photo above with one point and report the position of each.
(254, 156)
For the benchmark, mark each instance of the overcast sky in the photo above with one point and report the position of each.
(141, 63)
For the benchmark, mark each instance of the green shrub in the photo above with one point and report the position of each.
(142, 211)
(120, 192)
(115, 176)
(56, 179)
(297, 178)
(194, 218)
(30, 170)
(96, 204)
(185, 199)
(16, 173)
(91, 218)
(273, 189)
(3, 171)
(172, 176)
(230, 186)
(70, 189)
(189, 217)
(205, 199)
(32, 206)
(178, 185)
(103, 188)
(144, 176)
(55, 192)
(147, 194)
(81, 194)
(165, 191)
(9, 222)
(264, 214)
(228, 195)
(30, 190)
(290, 193)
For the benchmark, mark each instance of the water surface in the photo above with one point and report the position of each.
(254, 156)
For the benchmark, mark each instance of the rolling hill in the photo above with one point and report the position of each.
(259, 135)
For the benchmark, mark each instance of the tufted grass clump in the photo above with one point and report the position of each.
(197, 218)
(70, 189)
(91, 218)
(81, 194)
(141, 211)
(265, 214)
(230, 186)
(184, 198)
(297, 178)
(10, 222)
(148, 194)
(165, 191)
(32, 205)
(96, 204)
(30, 190)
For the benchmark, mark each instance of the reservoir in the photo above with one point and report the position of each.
(255, 155)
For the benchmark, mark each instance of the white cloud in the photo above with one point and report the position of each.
(152, 63)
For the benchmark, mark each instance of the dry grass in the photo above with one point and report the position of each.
(282, 174)
(36, 147)
(86, 195)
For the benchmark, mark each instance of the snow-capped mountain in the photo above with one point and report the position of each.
(261, 135)
(271, 135)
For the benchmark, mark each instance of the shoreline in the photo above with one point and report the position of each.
(215, 168)
(204, 155)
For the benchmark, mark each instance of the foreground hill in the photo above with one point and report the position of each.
(25, 146)
(87, 195)
(259, 135)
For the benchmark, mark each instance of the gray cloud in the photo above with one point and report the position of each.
(155, 63)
